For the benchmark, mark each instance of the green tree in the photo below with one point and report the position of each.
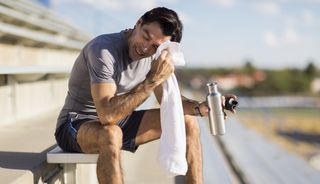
(248, 67)
(310, 70)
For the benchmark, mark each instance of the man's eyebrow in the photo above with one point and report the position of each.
(149, 36)
(148, 33)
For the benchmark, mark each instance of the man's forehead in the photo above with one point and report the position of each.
(154, 31)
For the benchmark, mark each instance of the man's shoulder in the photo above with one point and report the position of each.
(108, 37)
(105, 41)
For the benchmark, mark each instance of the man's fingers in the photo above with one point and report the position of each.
(163, 55)
(231, 96)
(204, 109)
(161, 68)
(223, 99)
(225, 115)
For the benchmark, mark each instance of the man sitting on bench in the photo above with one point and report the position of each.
(111, 77)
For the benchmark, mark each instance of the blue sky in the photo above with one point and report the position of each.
(218, 33)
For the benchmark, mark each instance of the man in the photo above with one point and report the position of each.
(111, 77)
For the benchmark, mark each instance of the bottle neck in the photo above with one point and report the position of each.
(213, 88)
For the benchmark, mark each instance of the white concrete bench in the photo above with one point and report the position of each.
(151, 172)
(69, 162)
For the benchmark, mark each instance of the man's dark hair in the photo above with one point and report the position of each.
(168, 20)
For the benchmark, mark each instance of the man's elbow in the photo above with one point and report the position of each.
(108, 118)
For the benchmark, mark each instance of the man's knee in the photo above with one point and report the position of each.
(110, 137)
(192, 126)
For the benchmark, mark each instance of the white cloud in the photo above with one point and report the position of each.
(307, 17)
(267, 8)
(270, 39)
(57, 2)
(291, 36)
(297, 1)
(185, 18)
(100, 4)
(224, 3)
(116, 5)
(109, 4)
(290, 21)
(141, 6)
(170, 1)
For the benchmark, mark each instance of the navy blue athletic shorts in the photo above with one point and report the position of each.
(66, 134)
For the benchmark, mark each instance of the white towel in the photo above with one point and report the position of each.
(172, 152)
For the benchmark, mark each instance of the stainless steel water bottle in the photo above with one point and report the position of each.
(216, 115)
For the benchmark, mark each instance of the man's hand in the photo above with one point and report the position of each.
(161, 68)
(204, 109)
(223, 101)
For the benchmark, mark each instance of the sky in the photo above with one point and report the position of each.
(270, 34)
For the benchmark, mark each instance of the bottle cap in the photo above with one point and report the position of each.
(230, 103)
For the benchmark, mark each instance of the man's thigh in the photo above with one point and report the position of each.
(131, 125)
(150, 127)
(87, 136)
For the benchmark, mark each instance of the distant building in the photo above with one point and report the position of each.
(315, 85)
(259, 76)
(231, 81)
(228, 82)
(197, 82)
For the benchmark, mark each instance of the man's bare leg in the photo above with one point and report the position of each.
(150, 129)
(107, 141)
(194, 152)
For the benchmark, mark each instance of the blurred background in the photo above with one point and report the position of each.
(267, 52)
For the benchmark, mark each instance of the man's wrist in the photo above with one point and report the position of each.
(149, 85)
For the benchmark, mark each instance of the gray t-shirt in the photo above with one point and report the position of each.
(105, 59)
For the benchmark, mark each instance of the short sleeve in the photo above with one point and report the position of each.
(100, 63)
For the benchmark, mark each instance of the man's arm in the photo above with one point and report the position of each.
(190, 106)
(112, 108)
(158, 93)
(193, 107)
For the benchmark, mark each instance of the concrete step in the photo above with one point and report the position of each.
(262, 161)
(23, 148)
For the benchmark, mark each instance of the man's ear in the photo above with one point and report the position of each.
(139, 22)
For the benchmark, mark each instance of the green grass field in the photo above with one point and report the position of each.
(296, 129)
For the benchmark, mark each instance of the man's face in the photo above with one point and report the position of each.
(145, 39)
